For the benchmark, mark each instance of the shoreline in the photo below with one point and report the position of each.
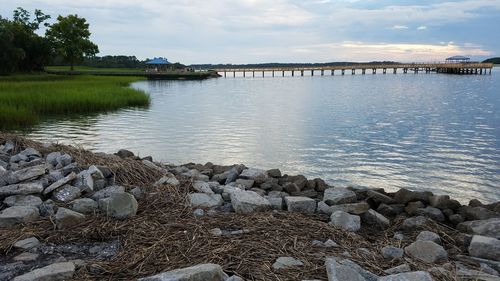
(126, 217)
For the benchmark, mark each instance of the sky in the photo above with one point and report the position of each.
(258, 31)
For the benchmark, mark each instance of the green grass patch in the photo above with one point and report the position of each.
(27, 99)
(92, 69)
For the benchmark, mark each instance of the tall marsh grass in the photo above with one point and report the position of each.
(26, 99)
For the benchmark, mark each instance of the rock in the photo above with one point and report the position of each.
(236, 278)
(399, 236)
(286, 262)
(433, 213)
(137, 192)
(276, 202)
(274, 173)
(311, 193)
(476, 275)
(198, 213)
(18, 214)
(494, 264)
(120, 206)
(23, 200)
(216, 231)
(300, 204)
(379, 197)
(63, 161)
(245, 183)
(107, 192)
(259, 176)
(346, 221)
(26, 257)
(83, 205)
(429, 236)
(365, 273)
(489, 227)
(371, 217)
(204, 200)
(476, 213)
(66, 193)
(53, 272)
(205, 272)
(414, 223)
(427, 251)
(321, 186)
(51, 158)
(27, 243)
(398, 269)
(456, 219)
(333, 196)
(408, 276)
(291, 187)
(170, 180)
(59, 183)
(340, 272)
(202, 187)
(248, 201)
(391, 210)
(391, 252)
(353, 208)
(66, 218)
(25, 174)
(414, 208)
(231, 175)
(404, 196)
(84, 180)
(21, 189)
(485, 247)
(123, 153)
(443, 202)
(488, 269)
(47, 208)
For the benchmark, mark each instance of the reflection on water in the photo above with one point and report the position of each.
(423, 131)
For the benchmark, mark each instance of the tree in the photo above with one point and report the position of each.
(70, 39)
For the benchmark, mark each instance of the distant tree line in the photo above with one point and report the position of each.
(112, 62)
(493, 60)
(277, 65)
(23, 50)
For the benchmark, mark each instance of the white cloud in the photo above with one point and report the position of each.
(397, 26)
(422, 27)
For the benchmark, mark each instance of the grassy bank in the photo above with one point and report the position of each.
(26, 99)
(92, 69)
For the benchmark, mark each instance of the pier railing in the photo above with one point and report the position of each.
(439, 67)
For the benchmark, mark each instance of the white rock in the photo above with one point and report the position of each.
(21, 189)
(333, 196)
(120, 206)
(339, 272)
(258, 175)
(107, 192)
(248, 201)
(53, 272)
(27, 174)
(204, 200)
(202, 187)
(205, 272)
(66, 193)
(27, 243)
(286, 262)
(427, 251)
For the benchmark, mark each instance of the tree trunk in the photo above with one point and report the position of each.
(72, 68)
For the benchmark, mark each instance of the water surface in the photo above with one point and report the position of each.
(421, 131)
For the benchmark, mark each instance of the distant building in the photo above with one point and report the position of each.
(458, 59)
(159, 65)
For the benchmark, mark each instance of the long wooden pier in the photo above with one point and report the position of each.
(476, 68)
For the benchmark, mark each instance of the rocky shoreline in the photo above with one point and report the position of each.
(71, 214)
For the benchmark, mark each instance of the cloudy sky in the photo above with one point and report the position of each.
(252, 31)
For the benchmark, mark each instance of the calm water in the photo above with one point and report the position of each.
(425, 131)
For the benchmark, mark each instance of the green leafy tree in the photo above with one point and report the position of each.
(70, 39)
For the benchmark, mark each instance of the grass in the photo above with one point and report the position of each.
(27, 99)
(93, 69)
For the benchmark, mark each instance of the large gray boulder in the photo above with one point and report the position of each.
(408, 276)
(300, 204)
(404, 196)
(286, 262)
(444, 202)
(66, 218)
(202, 187)
(414, 223)
(18, 214)
(258, 175)
(204, 200)
(477, 213)
(248, 201)
(107, 192)
(489, 227)
(346, 221)
(485, 247)
(53, 272)
(391, 252)
(26, 244)
(371, 217)
(427, 251)
(340, 272)
(27, 174)
(429, 236)
(23, 200)
(201, 272)
(119, 205)
(379, 197)
(333, 196)
(21, 189)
